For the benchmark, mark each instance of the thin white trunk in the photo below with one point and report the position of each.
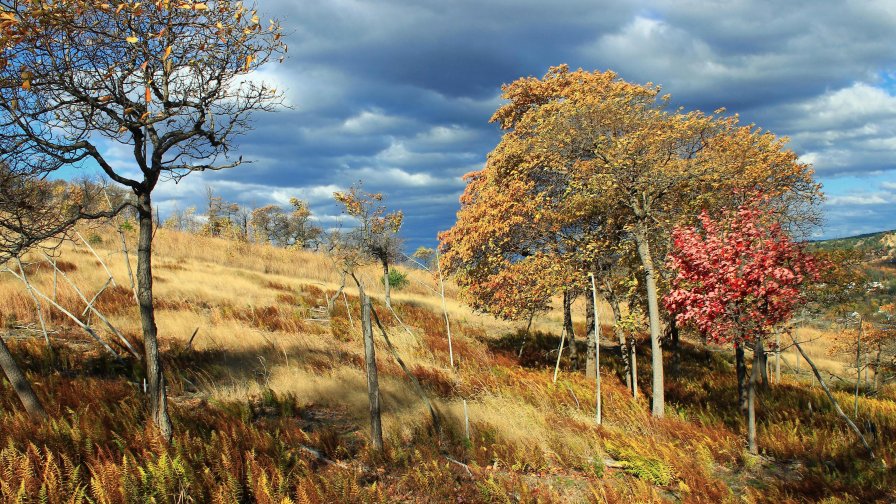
(98, 258)
(596, 350)
(559, 353)
(445, 310)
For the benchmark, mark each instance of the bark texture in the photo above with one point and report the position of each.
(589, 334)
(20, 384)
(155, 377)
(658, 402)
(751, 410)
(373, 385)
(740, 366)
(567, 326)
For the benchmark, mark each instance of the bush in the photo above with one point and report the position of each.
(398, 279)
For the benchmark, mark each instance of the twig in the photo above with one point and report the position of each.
(82, 325)
(97, 295)
(94, 310)
(465, 466)
(124, 250)
(320, 456)
(573, 394)
(190, 342)
(40, 314)
(348, 310)
(103, 263)
(832, 399)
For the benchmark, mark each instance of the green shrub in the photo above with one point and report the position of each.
(398, 279)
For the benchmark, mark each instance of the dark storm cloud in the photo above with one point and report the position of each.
(399, 93)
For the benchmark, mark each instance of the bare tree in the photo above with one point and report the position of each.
(34, 212)
(377, 232)
(347, 254)
(169, 80)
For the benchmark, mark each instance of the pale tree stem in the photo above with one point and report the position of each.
(656, 351)
(559, 353)
(596, 350)
(777, 357)
(445, 311)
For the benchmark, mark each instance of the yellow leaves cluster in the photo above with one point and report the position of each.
(587, 157)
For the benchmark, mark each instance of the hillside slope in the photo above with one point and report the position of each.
(268, 396)
(880, 245)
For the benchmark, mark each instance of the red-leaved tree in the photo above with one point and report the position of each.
(735, 278)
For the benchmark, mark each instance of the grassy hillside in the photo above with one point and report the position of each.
(269, 401)
(881, 245)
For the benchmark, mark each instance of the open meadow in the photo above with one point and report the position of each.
(269, 400)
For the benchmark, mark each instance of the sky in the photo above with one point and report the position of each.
(399, 93)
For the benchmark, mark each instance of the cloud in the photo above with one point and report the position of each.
(864, 207)
(847, 130)
(399, 92)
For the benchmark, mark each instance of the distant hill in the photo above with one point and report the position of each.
(880, 245)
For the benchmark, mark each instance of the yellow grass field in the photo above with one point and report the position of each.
(261, 330)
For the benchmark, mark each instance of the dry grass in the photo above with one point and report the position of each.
(275, 378)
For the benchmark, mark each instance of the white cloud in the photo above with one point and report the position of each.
(372, 122)
(852, 129)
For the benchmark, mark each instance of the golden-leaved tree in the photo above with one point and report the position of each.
(588, 160)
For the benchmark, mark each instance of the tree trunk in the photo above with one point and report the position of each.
(567, 326)
(762, 355)
(777, 357)
(445, 309)
(373, 385)
(740, 366)
(20, 384)
(653, 308)
(633, 362)
(623, 344)
(589, 333)
(674, 342)
(751, 414)
(386, 284)
(155, 377)
(598, 411)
